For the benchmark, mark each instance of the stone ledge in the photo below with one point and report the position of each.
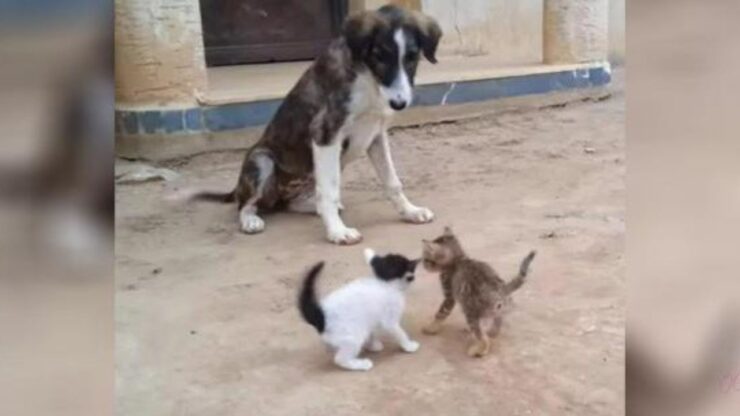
(228, 117)
(165, 146)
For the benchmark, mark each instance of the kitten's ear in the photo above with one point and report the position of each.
(369, 255)
(448, 231)
(414, 263)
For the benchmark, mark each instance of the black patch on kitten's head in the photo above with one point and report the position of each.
(393, 266)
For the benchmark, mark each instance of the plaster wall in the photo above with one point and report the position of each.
(159, 53)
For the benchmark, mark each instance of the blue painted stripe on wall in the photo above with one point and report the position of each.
(130, 122)
(194, 119)
(173, 121)
(254, 114)
(239, 116)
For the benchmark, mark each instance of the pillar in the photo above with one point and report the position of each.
(160, 60)
(575, 31)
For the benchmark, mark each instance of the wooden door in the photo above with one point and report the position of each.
(251, 31)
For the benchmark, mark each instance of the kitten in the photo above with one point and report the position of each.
(353, 316)
(482, 294)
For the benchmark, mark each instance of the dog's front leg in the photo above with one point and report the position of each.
(327, 170)
(380, 156)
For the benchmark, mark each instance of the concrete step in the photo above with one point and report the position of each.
(242, 99)
(247, 83)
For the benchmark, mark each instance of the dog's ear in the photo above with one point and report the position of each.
(428, 34)
(359, 30)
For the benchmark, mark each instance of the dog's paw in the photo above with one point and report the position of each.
(251, 223)
(344, 236)
(410, 346)
(417, 215)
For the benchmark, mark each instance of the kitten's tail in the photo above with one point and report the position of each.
(307, 303)
(518, 281)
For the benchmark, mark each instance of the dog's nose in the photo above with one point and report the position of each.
(398, 105)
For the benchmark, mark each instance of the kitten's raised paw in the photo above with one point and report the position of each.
(433, 328)
(478, 349)
(410, 346)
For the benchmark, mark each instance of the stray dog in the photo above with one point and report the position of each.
(351, 318)
(339, 110)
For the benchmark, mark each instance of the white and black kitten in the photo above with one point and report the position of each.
(351, 318)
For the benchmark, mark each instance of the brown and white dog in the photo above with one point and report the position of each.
(339, 110)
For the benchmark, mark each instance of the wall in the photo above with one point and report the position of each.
(161, 71)
(575, 31)
(160, 59)
(159, 53)
(617, 40)
(509, 32)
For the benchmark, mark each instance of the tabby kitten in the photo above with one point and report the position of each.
(482, 294)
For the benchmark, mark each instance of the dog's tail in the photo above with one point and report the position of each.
(307, 303)
(518, 281)
(214, 196)
(188, 195)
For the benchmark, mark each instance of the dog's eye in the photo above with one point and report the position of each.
(410, 57)
(381, 53)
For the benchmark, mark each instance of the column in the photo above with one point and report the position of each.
(575, 31)
(160, 61)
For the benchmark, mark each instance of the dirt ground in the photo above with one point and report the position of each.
(206, 317)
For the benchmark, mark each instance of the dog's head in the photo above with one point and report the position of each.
(391, 267)
(389, 42)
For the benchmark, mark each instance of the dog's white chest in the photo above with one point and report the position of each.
(369, 115)
(360, 135)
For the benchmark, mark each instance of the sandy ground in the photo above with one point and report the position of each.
(206, 318)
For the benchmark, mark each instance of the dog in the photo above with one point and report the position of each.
(351, 318)
(339, 110)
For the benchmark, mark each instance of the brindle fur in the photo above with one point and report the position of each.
(482, 294)
(279, 167)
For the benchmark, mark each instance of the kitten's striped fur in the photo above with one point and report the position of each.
(482, 294)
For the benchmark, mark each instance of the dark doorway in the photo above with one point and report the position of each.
(252, 31)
